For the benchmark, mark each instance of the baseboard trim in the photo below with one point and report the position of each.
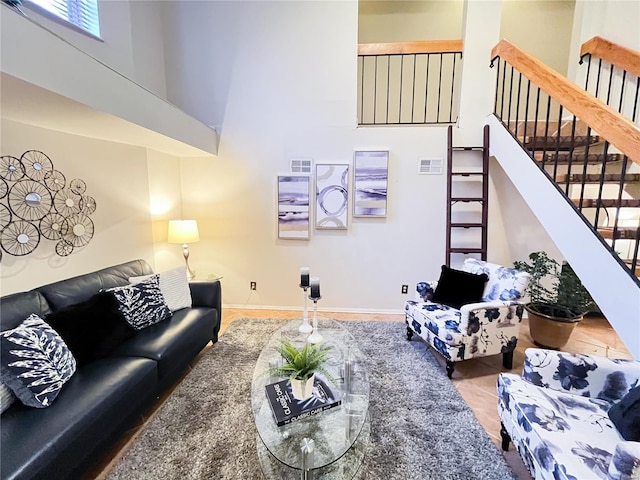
(337, 310)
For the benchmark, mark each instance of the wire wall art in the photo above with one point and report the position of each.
(37, 201)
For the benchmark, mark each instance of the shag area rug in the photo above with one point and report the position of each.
(421, 428)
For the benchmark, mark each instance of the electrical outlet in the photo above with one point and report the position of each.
(405, 288)
(252, 285)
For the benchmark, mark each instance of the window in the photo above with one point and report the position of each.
(81, 13)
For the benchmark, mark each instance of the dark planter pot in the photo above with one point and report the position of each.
(550, 326)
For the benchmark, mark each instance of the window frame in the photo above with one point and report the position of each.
(31, 5)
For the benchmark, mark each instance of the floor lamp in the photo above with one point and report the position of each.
(184, 232)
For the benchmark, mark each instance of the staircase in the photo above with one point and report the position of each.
(599, 184)
(584, 191)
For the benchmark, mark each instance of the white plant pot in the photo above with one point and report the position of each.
(302, 389)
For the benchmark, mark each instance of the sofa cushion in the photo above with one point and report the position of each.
(625, 415)
(35, 362)
(172, 343)
(91, 328)
(98, 404)
(174, 285)
(142, 304)
(456, 288)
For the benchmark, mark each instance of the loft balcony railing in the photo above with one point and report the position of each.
(409, 83)
(588, 149)
(612, 75)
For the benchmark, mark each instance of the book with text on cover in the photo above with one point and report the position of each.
(287, 409)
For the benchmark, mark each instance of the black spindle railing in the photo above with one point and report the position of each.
(409, 83)
(585, 167)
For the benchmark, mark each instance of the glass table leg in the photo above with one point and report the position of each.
(306, 449)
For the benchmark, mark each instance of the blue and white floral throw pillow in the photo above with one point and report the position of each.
(142, 304)
(35, 362)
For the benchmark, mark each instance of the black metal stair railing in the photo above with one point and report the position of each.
(410, 83)
(593, 175)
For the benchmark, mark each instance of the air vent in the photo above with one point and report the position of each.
(301, 165)
(430, 166)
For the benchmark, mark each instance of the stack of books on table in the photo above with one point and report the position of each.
(287, 409)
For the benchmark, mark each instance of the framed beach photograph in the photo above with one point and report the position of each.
(293, 207)
(332, 196)
(370, 175)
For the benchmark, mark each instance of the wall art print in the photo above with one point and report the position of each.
(293, 207)
(370, 183)
(37, 201)
(332, 196)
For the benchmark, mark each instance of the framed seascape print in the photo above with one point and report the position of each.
(293, 207)
(370, 183)
(332, 196)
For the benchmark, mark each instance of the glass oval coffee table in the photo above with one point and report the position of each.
(327, 445)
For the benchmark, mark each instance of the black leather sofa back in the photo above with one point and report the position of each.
(43, 300)
(18, 306)
(78, 289)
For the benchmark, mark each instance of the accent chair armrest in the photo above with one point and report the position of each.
(424, 290)
(586, 375)
(472, 307)
(625, 462)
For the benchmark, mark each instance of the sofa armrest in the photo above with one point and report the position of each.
(207, 294)
(585, 375)
(625, 462)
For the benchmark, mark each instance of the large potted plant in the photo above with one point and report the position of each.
(300, 366)
(558, 300)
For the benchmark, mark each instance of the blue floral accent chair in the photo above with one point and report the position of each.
(489, 327)
(556, 416)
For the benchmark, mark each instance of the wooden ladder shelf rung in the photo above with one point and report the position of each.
(460, 174)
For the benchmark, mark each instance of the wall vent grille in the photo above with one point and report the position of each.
(430, 166)
(301, 165)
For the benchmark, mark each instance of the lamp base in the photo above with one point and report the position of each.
(185, 251)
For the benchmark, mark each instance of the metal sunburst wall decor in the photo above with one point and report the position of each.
(36, 201)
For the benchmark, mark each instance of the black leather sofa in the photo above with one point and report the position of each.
(105, 397)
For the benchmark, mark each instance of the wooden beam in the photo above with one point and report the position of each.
(608, 123)
(399, 48)
(621, 57)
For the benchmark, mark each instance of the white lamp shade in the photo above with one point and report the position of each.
(183, 231)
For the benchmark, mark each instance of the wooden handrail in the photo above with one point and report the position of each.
(399, 48)
(621, 57)
(615, 128)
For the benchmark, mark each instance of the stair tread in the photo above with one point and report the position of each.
(577, 157)
(607, 202)
(595, 178)
(540, 142)
(621, 233)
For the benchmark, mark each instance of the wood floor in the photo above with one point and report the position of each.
(474, 379)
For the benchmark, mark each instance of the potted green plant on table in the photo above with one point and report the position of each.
(558, 300)
(300, 366)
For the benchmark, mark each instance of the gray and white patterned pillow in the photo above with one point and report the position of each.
(6, 398)
(142, 304)
(174, 285)
(35, 362)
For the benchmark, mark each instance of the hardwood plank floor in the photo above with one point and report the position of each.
(475, 379)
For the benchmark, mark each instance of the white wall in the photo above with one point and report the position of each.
(540, 28)
(115, 176)
(289, 88)
(405, 21)
(130, 33)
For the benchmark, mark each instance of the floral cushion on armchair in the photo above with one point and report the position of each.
(506, 284)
